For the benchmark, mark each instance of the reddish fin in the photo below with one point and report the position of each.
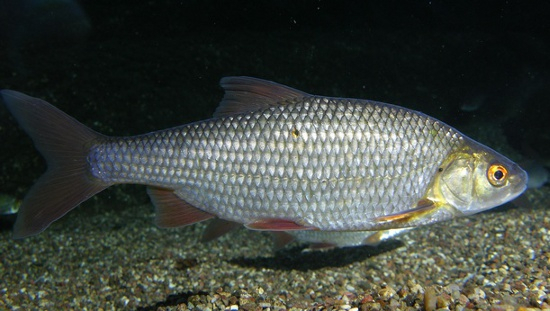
(281, 239)
(422, 207)
(172, 211)
(64, 143)
(218, 227)
(274, 224)
(245, 94)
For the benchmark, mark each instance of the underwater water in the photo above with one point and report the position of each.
(127, 68)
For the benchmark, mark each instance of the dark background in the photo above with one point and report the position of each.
(129, 67)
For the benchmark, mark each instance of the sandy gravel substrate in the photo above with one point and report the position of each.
(107, 258)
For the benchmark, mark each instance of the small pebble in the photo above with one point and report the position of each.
(430, 299)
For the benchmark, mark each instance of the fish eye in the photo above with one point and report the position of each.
(497, 175)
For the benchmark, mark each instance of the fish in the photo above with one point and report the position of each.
(9, 205)
(315, 238)
(271, 158)
(336, 239)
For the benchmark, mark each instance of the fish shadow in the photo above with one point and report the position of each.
(296, 258)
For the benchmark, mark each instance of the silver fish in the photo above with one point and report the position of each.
(331, 239)
(315, 238)
(272, 158)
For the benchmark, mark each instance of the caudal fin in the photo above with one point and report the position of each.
(64, 143)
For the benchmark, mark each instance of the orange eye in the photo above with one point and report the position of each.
(497, 175)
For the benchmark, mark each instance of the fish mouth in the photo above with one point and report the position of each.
(520, 186)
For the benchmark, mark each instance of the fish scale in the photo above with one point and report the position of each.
(313, 163)
(272, 158)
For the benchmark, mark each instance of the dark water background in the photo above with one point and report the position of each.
(129, 67)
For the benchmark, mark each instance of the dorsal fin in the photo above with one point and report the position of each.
(245, 94)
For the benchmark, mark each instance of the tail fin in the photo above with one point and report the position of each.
(64, 143)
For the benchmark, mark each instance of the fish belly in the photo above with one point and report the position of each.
(331, 163)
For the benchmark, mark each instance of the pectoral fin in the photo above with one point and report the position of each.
(423, 207)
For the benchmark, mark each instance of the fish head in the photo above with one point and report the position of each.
(478, 178)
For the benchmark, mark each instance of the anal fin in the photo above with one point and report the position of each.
(172, 211)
